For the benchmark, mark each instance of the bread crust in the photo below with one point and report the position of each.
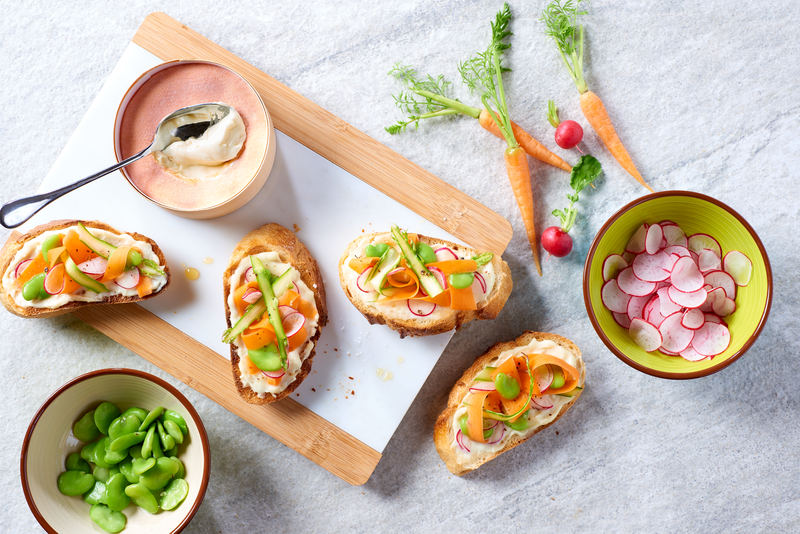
(443, 436)
(275, 238)
(12, 247)
(429, 327)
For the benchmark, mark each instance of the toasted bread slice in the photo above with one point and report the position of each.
(275, 238)
(443, 434)
(12, 247)
(488, 308)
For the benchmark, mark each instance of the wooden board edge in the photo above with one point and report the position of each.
(340, 143)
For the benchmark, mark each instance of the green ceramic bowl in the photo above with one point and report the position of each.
(694, 213)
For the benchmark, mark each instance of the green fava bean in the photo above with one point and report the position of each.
(115, 492)
(266, 358)
(112, 457)
(181, 469)
(167, 441)
(158, 477)
(140, 465)
(84, 428)
(174, 494)
(97, 494)
(142, 497)
(158, 452)
(135, 451)
(101, 473)
(461, 280)
(104, 415)
(134, 259)
(172, 452)
(138, 412)
(376, 250)
(126, 468)
(107, 519)
(76, 463)
(426, 253)
(51, 242)
(147, 444)
(174, 430)
(123, 443)
(99, 456)
(74, 482)
(152, 416)
(507, 386)
(34, 288)
(172, 415)
(520, 424)
(122, 425)
(87, 452)
(487, 433)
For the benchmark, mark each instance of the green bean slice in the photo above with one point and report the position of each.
(104, 415)
(167, 441)
(138, 412)
(142, 497)
(125, 442)
(76, 463)
(141, 465)
(174, 430)
(181, 469)
(147, 444)
(84, 428)
(126, 468)
(115, 492)
(97, 494)
(174, 494)
(172, 415)
(158, 477)
(122, 425)
(152, 416)
(75, 482)
(107, 519)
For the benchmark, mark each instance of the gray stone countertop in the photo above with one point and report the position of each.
(701, 95)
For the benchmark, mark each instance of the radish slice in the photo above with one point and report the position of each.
(635, 307)
(630, 285)
(693, 319)
(652, 240)
(675, 337)
(662, 350)
(292, 323)
(723, 280)
(361, 281)
(708, 261)
(692, 355)
(441, 278)
(251, 295)
(622, 319)
(21, 267)
(628, 257)
(711, 339)
(54, 281)
(713, 295)
(667, 222)
(674, 235)
(714, 318)
(94, 268)
(544, 377)
(654, 315)
(545, 402)
(698, 242)
(723, 307)
(274, 374)
(445, 254)
(613, 298)
(460, 440)
(677, 249)
(637, 242)
(129, 279)
(738, 266)
(249, 275)
(396, 271)
(686, 276)
(420, 308)
(497, 435)
(693, 299)
(480, 280)
(612, 266)
(285, 311)
(668, 306)
(645, 335)
(652, 268)
(482, 386)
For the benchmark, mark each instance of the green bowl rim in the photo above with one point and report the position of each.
(590, 311)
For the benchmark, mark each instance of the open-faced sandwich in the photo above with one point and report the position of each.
(422, 286)
(275, 306)
(63, 265)
(495, 405)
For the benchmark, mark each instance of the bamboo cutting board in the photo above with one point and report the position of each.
(202, 368)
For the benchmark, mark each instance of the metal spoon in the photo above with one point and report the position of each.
(17, 212)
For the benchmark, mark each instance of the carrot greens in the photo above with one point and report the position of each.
(561, 20)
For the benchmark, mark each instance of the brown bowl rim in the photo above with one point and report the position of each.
(117, 371)
(619, 354)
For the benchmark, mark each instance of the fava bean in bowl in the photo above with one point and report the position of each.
(70, 488)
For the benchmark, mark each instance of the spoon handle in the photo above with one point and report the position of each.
(17, 212)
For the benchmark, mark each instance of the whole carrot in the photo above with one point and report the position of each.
(530, 145)
(561, 22)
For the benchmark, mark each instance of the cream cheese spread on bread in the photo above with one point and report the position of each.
(257, 381)
(33, 247)
(536, 418)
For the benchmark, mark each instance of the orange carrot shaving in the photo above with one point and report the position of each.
(289, 298)
(462, 299)
(297, 339)
(76, 249)
(256, 338)
(308, 309)
(455, 266)
(539, 360)
(475, 416)
(116, 263)
(242, 305)
(359, 264)
(37, 266)
(145, 286)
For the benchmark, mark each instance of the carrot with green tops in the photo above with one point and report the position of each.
(561, 21)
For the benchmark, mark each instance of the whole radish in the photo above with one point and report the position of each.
(569, 134)
(556, 241)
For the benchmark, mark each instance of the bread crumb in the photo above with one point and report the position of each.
(296, 228)
(314, 390)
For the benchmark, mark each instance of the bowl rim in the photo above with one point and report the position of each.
(117, 371)
(588, 302)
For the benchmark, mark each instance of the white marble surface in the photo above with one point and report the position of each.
(701, 94)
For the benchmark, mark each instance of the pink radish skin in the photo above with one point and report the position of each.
(622, 319)
(292, 323)
(48, 283)
(361, 281)
(694, 299)
(460, 437)
(482, 386)
(442, 279)
(636, 244)
(708, 261)
(693, 319)
(21, 267)
(544, 377)
(94, 268)
(630, 285)
(274, 374)
(677, 249)
(652, 268)
(420, 308)
(711, 339)
(129, 279)
(667, 222)
(445, 254)
(662, 350)
(612, 266)
(723, 280)
(654, 315)
(675, 337)
(479, 279)
(556, 241)
(723, 307)
(613, 298)
(714, 318)
(568, 134)
(285, 311)
(545, 402)
(645, 335)
(251, 295)
(698, 242)
(712, 297)
(686, 276)
(249, 275)
(635, 307)
(738, 266)
(692, 355)
(668, 307)
(652, 240)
